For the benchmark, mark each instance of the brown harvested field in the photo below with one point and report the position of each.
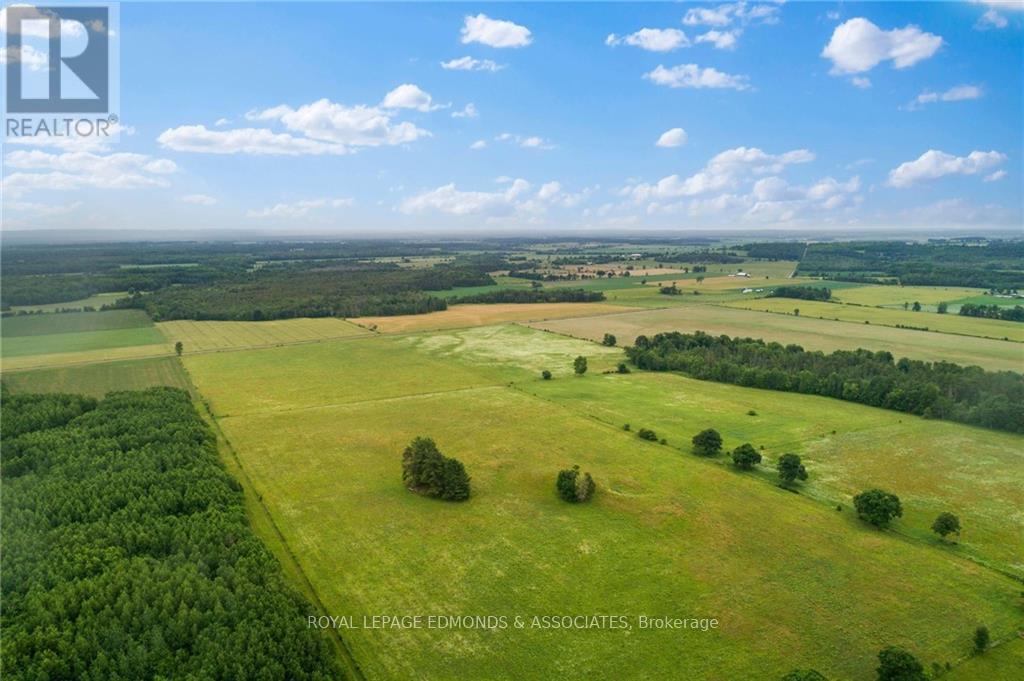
(459, 316)
(813, 334)
(726, 283)
(211, 336)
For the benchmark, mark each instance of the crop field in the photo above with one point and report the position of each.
(813, 334)
(943, 323)
(320, 428)
(896, 296)
(97, 301)
(99, 379)
(77, 332)
(208, 336)
(72, 322)
(459, 316)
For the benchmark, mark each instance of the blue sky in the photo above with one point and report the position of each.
(326, 117)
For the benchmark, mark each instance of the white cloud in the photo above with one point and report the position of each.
(991, 19)
(956, 93)
(722, 40)
(409, 96)
(221, 122)
(494, 32)
(858, 45)
(299, 208)
(469, 111)
(934, 164)
(996, 176)
(199, 199)
(322, 127)
(719, 16)
(862, 82)
(651, 39)
(693, 76)
(724, 15)
(676, 137)
(80, 169)
(479, 144)
(515, 198)
(524, 141)
(42, 210)
(470, 64)
(724, 171)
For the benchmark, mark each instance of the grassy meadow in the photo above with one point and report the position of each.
(459, 316)
(319, 431)
(100, 378)
(41, 339)
(214, 336)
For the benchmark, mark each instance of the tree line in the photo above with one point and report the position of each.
(801, 292)
(1008, 314)
(128, 553)
(940, 390)
(536, 295)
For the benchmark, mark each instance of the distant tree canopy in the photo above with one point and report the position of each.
(426, 471)
(543, 295)
(781, 250)
(574, 487)
(707, 442)
(609, 340)
(804, 675)
(128, 553)
(801, 292)
(1008, 314)
(745, 457)
(935, 390)
(878, 507)
(946, 523)
(579, 365)
(791, 468)
(647, 434)
(896, 664)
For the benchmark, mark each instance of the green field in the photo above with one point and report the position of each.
(813, 334)
(210, 336)
(22, 346)
(319, 429)
(943, 323)
(895, 296)
(99, 379)
(97, 301)
(72, 322)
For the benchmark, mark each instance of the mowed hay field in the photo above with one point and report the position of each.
(99, 379)
(813, 334)
(895, 296)
(207, 336)
(320, 430)
(943, 323)
(459, 316)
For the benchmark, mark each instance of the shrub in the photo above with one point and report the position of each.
(878, 507)
(574, 488)
(946, 523)
(622, 369)
(647, 434)
(896, 664)
(981, 639)
(707, 442)
(546, 375)
(579, 365)
(608, 340)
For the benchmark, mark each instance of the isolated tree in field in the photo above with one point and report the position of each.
(916, 307)
(647, 434)
(745, 457)
(700, 280)
(804, 675)
(426, 471)
(896, 664)
(546, 375)
(877, 507)
(179, 348)
(790, 469)
(579, 365)
(609, 340)
(622, 368)
(796, 311)
(943, 307)
(946, 523)
(981, 639)
(707, 442)
(573, 487)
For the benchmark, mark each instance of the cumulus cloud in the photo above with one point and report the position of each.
(693, 76)
(79, 169)
(322, 127)
(722, 40)
(494, 32)
(470, 64)
(516, 197)
(468, 111)
(409, 96)
(957, 93)
(676, 137)
(299, 208)
(199, 199)
(651, 39)
(933, 164)
(858, 45)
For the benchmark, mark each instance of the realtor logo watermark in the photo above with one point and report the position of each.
(61, 72)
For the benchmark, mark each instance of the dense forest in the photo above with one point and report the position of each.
(782, 250)
(539, 295)
(128, 554)
(801, 292)
(995, 264)
(935, 390)
(1009, 314)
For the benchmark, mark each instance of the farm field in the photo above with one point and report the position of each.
(813, 334)
(459, 316)
(895, 296)
(944, 323)
(208, 336)
(99, 379)
(71, 322)
(847, 448)
(667, 534)
(97, 301)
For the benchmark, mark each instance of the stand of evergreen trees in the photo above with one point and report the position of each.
(802, 292)
(939, 390)
(128, 554)
(542, 295)
(1009, 314)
